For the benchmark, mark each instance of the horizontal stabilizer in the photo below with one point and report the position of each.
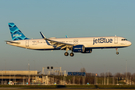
(12, 42)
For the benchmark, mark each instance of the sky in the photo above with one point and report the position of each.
(74, 18)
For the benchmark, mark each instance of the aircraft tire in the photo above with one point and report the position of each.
(117, 53)
(66, 53)
(71, 54)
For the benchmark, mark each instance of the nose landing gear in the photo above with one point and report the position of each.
(117, 51)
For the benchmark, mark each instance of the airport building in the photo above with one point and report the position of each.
(18, 72)
(28, 77)
(15, 77)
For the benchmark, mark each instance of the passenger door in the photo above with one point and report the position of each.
(115, 40)
(27, 43)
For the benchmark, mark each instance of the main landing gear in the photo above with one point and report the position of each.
(71, 54)
(117, 51)
(66, 53)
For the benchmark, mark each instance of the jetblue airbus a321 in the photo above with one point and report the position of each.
(78, 45)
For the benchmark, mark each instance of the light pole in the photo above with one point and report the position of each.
(126, 71)
(5, 69)
(29, 74)
(2, 77)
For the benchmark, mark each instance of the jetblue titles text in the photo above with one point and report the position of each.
(102, 40)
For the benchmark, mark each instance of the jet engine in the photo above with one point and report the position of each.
(78, 48)
(81, 49)
(87, 50)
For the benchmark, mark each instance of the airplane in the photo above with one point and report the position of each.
(76, 45)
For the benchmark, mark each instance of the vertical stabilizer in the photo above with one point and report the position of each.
(16, 34)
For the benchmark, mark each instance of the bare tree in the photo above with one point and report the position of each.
(109, 74)
(102, 74)
(118, 74)
(83, 70)
(133, 77)
(90, 74)
(128, 74)
(89, 80)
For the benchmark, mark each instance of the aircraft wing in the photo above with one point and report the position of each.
(56, 43)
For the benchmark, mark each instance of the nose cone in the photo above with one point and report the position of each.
(129, 43)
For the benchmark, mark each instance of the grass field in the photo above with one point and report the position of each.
(59, 89)
(66, 87)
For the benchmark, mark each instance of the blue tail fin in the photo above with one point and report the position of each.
(16, 34)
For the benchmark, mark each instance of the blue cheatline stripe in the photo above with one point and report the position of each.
(86, 48)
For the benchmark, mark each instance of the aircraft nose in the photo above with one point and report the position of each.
(129, 43)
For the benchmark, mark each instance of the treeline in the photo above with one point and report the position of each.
(96, 79)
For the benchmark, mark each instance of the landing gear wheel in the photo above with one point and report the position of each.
(71, 54)
(117, 53)
(66, 53)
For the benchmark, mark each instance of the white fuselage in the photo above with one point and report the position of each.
(88, 42)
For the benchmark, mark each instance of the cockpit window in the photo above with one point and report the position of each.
(123, 39)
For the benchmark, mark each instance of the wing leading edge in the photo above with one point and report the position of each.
(56, 43)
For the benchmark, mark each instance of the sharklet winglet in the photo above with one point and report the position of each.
(44, 38)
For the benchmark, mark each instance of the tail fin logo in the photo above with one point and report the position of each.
(16, 34)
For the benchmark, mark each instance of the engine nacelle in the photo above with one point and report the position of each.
(79, 48)
(87, 50)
